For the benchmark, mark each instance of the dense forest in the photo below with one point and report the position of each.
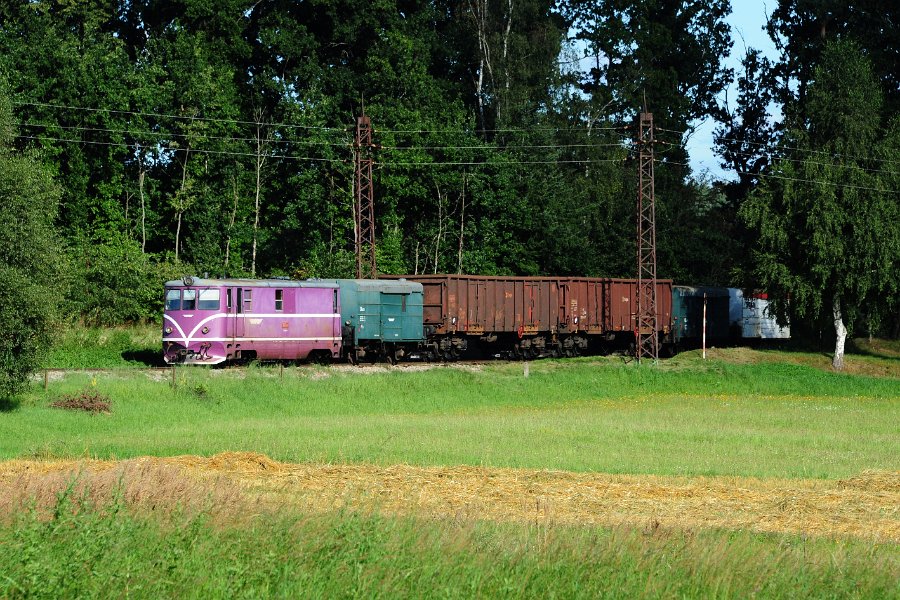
(166, 138)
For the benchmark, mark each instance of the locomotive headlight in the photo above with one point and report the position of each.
(168, 330)
(453, 321)
(576, 320)
(205, 330)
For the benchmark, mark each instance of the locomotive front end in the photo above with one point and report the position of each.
(193, 323)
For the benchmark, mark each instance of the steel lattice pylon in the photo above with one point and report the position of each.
(364, 202)
(645, 327)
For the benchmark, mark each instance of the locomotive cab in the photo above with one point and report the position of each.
(210, 321)
(192, 324)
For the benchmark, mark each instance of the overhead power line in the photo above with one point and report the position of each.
(170, 134)
(824, 164)
(192, 150)
(498, 164)
(794, 148)
(180, 117)
(315, 127)
(797, 179)
(329, 160)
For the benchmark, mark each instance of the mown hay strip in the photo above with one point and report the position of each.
(867, 505)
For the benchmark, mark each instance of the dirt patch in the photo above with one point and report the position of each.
(867, 505)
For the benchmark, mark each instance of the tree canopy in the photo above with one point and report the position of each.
(216, 137)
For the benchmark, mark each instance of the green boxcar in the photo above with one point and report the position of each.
(386, 311)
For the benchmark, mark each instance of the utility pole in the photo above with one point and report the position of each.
(364, 201)
(645, 327)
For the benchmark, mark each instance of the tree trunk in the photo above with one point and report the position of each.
(182, 201)
(841, 331)
(261, 145)
(462, 222)
(234, 206)
(141, 174)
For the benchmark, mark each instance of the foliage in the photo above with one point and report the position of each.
(825, 218)
(217, 137)
(29, 261)
(114, 282)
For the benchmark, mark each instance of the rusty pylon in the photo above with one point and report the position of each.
(364, 201)
(645, 327)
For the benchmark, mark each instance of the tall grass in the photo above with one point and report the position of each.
(80, 347)
(85, 550)
(710, 418)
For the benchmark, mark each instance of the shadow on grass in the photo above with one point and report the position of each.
(8, 405)
(877, 348)
(150, 358)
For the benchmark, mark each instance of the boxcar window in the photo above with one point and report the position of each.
(173, 299)
(248, 301)
(279, 300)
(189, 300)
(209, 300)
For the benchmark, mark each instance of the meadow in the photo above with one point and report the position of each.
(743, 414)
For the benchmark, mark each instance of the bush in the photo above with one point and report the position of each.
(114, 283)
(29, 261)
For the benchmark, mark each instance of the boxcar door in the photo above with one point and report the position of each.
(392, 306)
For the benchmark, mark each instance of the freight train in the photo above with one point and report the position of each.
(439, 317)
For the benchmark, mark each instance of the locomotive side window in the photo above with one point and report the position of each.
(228, 299)
(209, 300)
(173, 299)
(189, 300)
(240, 300)
(279, 300)
(248, 301)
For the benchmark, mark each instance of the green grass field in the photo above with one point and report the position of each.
(745, 413)
(108, 551)
(713, 418)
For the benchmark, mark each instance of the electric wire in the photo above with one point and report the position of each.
(501, 164)
(181, 117)
(793, 148)
(168, 134)
(319, 159)
(799, 180)
(190, 150)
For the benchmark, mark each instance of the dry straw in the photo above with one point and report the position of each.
(238, 485)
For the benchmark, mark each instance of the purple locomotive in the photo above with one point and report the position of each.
(210, 321)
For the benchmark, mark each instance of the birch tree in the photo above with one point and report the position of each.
(826, 222)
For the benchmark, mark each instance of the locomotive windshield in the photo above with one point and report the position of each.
(173, 299)
(192, 299)
(209, 300)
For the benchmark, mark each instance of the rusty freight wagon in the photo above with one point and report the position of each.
(532, 317)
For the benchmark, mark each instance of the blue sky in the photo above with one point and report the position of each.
(747, 20)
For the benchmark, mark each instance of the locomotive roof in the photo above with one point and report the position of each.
(388, 286)
(257, 283)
